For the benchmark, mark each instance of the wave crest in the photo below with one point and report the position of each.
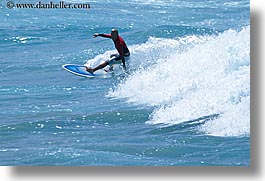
(192, 77)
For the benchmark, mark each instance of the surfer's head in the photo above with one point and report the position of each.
(114, 34)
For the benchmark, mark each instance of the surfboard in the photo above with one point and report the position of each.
(80, 70)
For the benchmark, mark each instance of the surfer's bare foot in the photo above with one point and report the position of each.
(90, 70)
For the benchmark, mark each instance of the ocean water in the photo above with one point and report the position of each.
(185, 99)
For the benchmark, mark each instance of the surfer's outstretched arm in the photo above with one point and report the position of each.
(102, 35)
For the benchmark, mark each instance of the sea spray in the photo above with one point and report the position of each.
(185, 80)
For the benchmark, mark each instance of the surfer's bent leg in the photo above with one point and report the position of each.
(100, 66)
(114, 59)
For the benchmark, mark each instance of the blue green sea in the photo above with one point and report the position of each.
(184, 101)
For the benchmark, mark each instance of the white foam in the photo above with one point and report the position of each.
(99, 59)
(192, 77)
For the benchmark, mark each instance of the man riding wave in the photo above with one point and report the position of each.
(121, 57)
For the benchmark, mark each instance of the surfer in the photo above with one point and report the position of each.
(122, 55)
